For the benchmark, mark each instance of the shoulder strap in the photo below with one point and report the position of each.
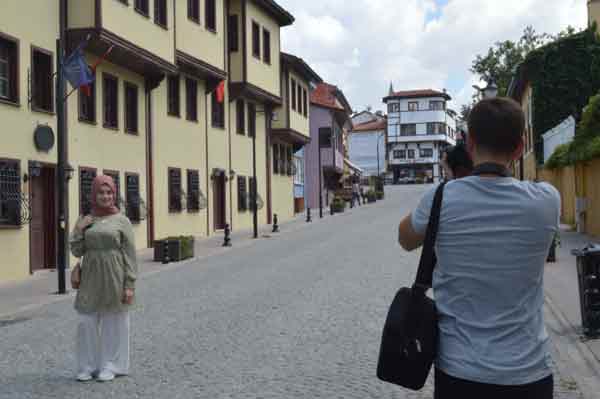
(428, 258)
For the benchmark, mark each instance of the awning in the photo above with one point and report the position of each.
(291, 136)
(353, 166)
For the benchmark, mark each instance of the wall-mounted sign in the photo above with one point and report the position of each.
(43, 137)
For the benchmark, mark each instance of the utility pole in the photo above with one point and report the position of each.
(62, 162)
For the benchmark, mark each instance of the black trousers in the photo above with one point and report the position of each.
(448, 387)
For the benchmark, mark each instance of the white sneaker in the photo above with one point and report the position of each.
(106, 375)
(83, 377)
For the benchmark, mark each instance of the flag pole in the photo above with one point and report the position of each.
(62, 161)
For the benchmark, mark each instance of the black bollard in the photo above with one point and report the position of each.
(165, 257)
(275, 225)
(308, 218)
(227, 242)
(331, 209)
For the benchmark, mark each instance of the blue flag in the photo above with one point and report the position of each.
(76, 69)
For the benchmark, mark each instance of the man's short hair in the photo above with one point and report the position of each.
(497, 124)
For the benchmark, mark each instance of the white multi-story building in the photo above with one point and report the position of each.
(420, 126)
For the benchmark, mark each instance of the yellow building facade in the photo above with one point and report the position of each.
(191, 101)
(593, 12)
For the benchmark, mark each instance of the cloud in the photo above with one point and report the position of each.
(362, 45)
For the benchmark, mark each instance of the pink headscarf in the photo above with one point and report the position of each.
(97, 210)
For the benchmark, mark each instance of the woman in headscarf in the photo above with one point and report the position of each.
(105, 240)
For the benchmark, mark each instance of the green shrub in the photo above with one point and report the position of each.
(338, 204)
(187, 245)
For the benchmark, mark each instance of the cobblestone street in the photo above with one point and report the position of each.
(297, 315)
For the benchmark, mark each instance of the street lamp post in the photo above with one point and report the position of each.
(489, 91)
(378, 168)
(320, 182)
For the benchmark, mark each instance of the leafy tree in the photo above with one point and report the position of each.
(502, 59)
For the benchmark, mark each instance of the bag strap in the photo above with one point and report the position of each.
(428, 260)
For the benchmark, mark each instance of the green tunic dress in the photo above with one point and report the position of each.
(109, 264)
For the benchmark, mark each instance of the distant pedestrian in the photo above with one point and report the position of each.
(105, 240)
(493, 238)
(356, 192)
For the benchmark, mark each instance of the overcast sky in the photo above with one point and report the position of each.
(362, 45)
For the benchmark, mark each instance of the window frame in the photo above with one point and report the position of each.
(128, 108)
(49, 84)
(106, 78)
(299, 98)
(174, 207)
(409, 152)
(193, 11)
(210, 15)
(266, 46)
(413, 106)
(437, 128)
(161, 14)
(293, 83)
(6, 222)
(174, 95)
(428, 150)
(136, 218)
(234, 34)
(275, 158)
(251, 119)
(402, 126)
(82, 200)
(193, 204)
(305, 102)
(13, 64)
(240, 116)
(217, 111)
(142, 7)
(256, 40)
(191, 99)
(242, 193)
(432, 108)
(80, 102)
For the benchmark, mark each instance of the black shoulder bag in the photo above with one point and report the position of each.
(410, 334)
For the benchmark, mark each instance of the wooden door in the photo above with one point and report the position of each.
(219, 201)
(42, 226)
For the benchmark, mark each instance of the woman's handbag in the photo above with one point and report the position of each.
(409, 339)
(76, 276)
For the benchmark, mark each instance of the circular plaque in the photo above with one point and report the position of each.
(43, 137)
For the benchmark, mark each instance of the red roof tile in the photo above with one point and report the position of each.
(418, 94)
(370, 126)
(324, 95)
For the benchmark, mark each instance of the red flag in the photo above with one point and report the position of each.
(221, 92)
(87, 89)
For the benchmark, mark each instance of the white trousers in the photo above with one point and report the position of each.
(103, 342)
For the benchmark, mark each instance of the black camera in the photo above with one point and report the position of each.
(459, 161)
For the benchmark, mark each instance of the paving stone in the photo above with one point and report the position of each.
(295, 316)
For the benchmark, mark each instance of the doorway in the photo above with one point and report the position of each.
(219, 201)
(42, 227)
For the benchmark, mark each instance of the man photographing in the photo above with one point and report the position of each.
(494, 235)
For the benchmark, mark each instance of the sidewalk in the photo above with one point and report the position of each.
(563, 315)
(41, 288)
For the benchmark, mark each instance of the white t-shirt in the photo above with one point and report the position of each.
(493, 240)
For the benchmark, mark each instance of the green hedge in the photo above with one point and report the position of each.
(564, 75)
(586, 144)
